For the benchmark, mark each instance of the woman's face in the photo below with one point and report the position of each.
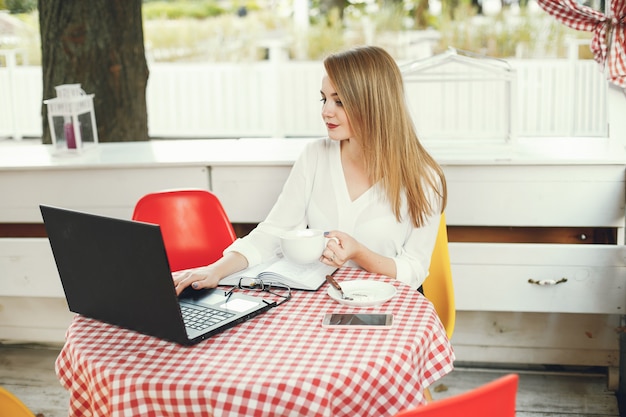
(333, 113)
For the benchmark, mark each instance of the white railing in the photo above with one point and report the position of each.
(281, 99)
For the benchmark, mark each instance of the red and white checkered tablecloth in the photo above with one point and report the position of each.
(281, 363)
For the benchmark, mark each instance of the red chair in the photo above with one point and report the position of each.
(194, 225)
(494, 399)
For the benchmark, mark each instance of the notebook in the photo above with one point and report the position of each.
(116, 271)
(298, 277)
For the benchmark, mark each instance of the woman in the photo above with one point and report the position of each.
(370, 184)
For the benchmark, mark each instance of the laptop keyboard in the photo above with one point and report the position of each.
(201, 317)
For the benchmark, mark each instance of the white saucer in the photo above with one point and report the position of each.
(364, 292)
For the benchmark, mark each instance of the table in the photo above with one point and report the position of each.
(282, 363)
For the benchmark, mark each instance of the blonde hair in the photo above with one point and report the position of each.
(371, 89)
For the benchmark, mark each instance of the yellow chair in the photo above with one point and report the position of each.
(10, 405)
(438, 286)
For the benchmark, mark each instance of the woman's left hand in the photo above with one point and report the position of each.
(340, 248)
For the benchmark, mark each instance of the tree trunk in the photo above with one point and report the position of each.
(98, 44)
(421, 15)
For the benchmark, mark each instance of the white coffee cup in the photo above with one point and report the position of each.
(303, 246)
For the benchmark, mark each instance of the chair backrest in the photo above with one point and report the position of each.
(10, 405)
(438, 286)
(494, 399)
(194, 225)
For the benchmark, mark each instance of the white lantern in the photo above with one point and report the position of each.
(72, 119)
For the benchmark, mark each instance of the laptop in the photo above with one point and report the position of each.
(117, 271)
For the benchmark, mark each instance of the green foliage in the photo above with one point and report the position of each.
(504, 35)
(390, 18)
(19, 6)
(181, 9)
(222, 38)
(28, 39)
(202, 30)
(325, 37)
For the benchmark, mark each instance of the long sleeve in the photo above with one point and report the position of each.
(289, 212)
(315, 195)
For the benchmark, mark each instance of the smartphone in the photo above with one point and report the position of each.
(357, 320)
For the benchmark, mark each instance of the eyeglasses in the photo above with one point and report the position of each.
(254, 284)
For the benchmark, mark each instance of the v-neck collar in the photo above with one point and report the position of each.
(340, 184)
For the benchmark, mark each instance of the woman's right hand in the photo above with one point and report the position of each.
(196, 278)
(209, 276)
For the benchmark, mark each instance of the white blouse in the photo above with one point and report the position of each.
(315, 195)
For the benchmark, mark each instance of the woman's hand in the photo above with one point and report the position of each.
(343, 248)
(197, 278)
(209, 276)
(340, 248)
